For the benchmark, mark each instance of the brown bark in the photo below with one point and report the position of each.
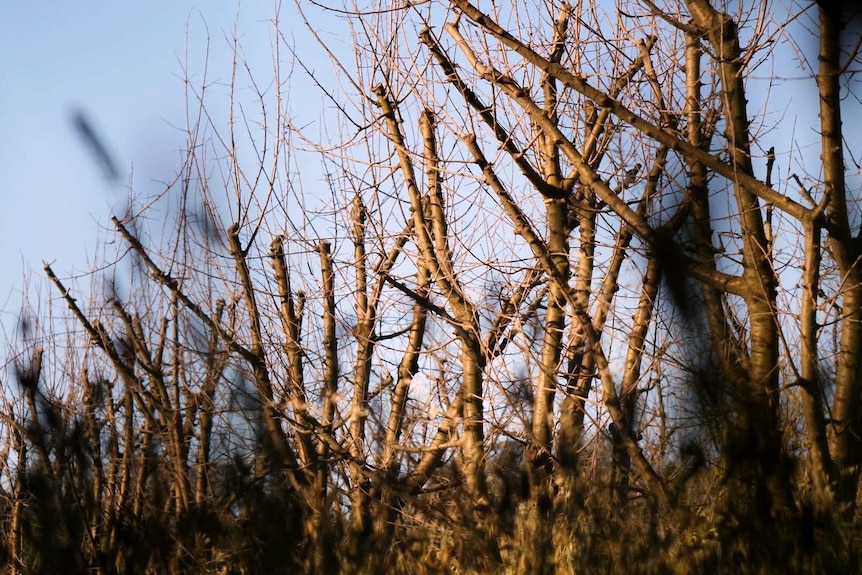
(432, 238)
(758, 400)
(845, 440)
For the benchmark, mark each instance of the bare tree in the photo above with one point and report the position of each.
(558, 276)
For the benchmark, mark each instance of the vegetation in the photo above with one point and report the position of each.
(572, 296)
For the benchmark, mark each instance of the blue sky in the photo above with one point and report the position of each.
(120, 63)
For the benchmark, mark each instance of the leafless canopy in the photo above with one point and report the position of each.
(549, 265)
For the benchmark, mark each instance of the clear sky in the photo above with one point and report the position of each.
(121, 64)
